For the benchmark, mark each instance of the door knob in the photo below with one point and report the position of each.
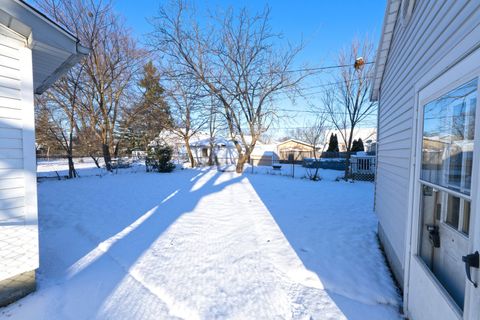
(471, 261)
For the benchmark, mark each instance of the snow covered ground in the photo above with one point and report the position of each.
(205, 244)
(84, 167)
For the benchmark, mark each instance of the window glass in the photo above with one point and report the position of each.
(448, 135)
(453, 211)
(466, 217)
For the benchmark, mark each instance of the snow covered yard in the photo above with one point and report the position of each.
(204, 244)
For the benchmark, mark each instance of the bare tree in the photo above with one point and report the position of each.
(59, 126)
(216, 124)
(109, 68)
(86, 144)
(236, 61)
(314, 134)
(188, 111)
(348, 103)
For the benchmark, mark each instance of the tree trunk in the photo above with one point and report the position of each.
(211, 155)
(347, 165)
(189, 152)
(106, 156)
(71, 167)
(317, 166)
(96, 161)
(241, 162)
(349, 151)
(116, 149)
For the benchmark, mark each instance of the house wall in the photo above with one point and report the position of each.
(263, 160)
(18, 200)
(302, 150)
(434, 28)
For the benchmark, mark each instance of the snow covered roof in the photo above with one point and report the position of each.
(173, 138)
(266, 149)
(389, 21)
(221, 142)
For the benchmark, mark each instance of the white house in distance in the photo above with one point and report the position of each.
(427, 197)
(225, 151)
(34, 52)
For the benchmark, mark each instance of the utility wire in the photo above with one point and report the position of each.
(313, 70)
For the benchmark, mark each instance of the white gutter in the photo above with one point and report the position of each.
(46, 19)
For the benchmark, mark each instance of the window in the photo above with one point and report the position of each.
(448, 136)
(453, 211)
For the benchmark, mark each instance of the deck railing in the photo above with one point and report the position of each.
(362, 167)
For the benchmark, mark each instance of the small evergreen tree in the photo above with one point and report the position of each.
(162, 156)
(149, 116)
(357, 145)
(360, 145)
(333, 143)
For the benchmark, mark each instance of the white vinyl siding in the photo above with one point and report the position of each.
(434, 28)
(18, 216)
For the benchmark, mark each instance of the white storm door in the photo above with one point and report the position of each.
(447, 194)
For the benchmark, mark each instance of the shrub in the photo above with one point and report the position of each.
(160, 158)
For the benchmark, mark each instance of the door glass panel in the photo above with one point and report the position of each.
(466, 217)
(453, 211)
(441, 247)
(448, 135)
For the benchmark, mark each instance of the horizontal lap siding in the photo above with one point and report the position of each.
(13, 235)
(434, 28)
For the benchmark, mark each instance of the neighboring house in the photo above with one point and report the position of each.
(264, 155)
(34, 52)
(174, 140)
(427, 196)
(296, 149)
(224, 151)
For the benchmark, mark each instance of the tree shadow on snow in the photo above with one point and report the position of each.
(107, 248)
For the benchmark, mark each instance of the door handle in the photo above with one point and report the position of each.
(433, 235)
(471, 261)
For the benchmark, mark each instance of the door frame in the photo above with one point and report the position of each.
(421, 286)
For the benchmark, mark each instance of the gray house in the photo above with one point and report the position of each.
(427, 194)
(34, 52)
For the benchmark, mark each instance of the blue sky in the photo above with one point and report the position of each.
(325, 27)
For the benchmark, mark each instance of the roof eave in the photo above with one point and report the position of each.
(43, 36)
(389, 20)
(72, 60)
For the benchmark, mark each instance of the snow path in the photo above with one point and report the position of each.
(207, 245)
